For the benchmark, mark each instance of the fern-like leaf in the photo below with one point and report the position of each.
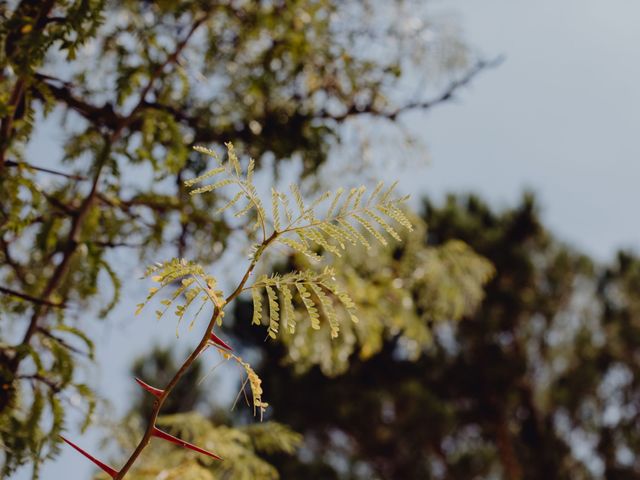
(193, 284)
(257, 307)
(314, 316)
(288, 312)
(255, 384)
(327, 308)
(274, 312)
(313, 289)
(300, 247)
(234, 177)
(348, 220)
(275, 205)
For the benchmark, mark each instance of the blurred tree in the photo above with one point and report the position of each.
(133, 82)
(540, 382)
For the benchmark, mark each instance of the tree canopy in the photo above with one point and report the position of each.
(134, 86)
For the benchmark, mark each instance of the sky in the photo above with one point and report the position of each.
(560, 117)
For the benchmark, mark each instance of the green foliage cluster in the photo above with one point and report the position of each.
(458, 275)
(280, 296)
(243, 449)
(402, 292)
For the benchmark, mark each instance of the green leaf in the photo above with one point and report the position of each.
(257, 307)
(274, 312)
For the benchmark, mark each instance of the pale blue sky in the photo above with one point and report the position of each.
(561, 116)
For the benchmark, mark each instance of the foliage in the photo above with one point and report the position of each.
(134, 85)
(402, 292)
(455, 281)
(242, 448)
(193, 282)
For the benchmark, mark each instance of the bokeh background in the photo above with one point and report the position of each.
(532, 163)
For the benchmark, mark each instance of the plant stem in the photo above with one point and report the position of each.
(217, 313)
(144, 441)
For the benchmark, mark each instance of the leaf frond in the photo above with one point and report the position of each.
(193, 281)
(313, 289)
(348, 220)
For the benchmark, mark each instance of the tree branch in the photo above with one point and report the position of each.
(73, 239)
(30, 298)
(217, 313)
(446, 95)
(104, 116)
(12, 163)
(62, 342)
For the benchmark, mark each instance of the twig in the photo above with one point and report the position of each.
(447, 94)
(111, 244)
(30, 298)
(62, 342)
(12, 163)
(39, 378)
(217, 313)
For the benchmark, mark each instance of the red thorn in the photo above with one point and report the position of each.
(219, 342)
(156, 392)
(170, 438)
(104, 467)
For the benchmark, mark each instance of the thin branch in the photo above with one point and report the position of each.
(112, 244)
(67, 209)
(144, 441)
(446, 95)
(31, 298)
(104, 116)
(62, 342)
(252, 266)
(170, 59)
(12, 163)
(39, 378)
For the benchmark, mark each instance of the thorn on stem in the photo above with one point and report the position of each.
(103, 466)
(219, 342)
(170, 438)
(156, 392)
